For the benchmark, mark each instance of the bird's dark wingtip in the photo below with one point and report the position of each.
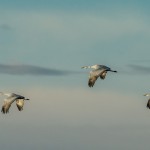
(148, 107)
(4, 111)
(90, 84)
(148, 104)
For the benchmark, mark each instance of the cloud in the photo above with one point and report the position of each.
(5, 27)
(140, 69)
(32, 70)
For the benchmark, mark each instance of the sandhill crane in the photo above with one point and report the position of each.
(98, 71)
(148, 102)
(11, 97)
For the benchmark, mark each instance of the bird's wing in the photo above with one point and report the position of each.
(99, 73)
(92, 81)
(20, 104)
(7, 104)
(103, 74)
(94, 74)
(11, 99)
(9, 95)
(148, 104)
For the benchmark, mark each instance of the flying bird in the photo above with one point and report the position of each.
(12, 97)
(97, 71)
(148, 102)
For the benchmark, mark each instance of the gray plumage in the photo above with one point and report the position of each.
(94, 76)
(98, 71)
(20, 104)
(148, 102)
(11, 97)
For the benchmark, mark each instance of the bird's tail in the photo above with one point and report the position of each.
(113, 71)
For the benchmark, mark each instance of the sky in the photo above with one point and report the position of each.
(44, 44)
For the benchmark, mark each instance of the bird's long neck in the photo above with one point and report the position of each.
(85, 67)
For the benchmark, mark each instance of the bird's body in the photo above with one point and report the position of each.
(148, 102)
(97, 67)
(97, 71)
(11, 97)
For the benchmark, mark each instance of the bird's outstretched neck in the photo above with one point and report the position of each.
(85, 67)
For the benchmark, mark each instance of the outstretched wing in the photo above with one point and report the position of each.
(5, 107)
(103, 74)
(148, 104)
(94, 74)
(7, 104)
(20, 104)
(92, 81)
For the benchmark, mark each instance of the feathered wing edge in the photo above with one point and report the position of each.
(103, 74)
(5, 108)
(20, 104)
(19, 107)
(93, 79)
(148, 104)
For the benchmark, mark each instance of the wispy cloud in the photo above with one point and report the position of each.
(140, 69)
(32, 70)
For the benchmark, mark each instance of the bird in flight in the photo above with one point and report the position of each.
(148, 102)
(97, 71)
(12, 97)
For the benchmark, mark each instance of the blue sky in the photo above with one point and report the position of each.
(43, 45)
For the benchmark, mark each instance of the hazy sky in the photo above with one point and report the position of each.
(44, 43)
